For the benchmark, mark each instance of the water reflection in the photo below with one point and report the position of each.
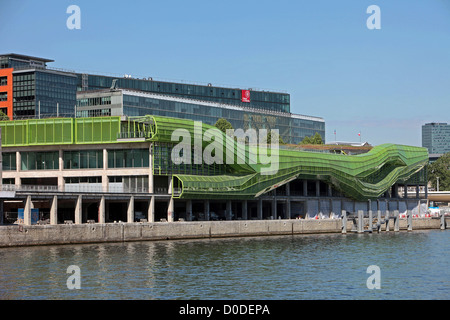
(413, 265)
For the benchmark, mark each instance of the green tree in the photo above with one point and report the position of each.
(223, 124)
(269, 137)
(3, 116)
(440, 169)
(315, 139)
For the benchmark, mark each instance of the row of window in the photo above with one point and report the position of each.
(129, 158)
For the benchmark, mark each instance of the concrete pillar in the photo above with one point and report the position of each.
(274, 208)
(27, 212)
(259, 209)
(151, 210)
(169, 191)
(386, 218)
(130, 210)
(206, 210)
(150, 176)
(288, 209)
(54, 211)
(189, 210)
(370, 219)
(288, 189)
(78, 209)
(229, 211)
(330, 191)
(344, 221)
(396, 220)
(317, 188)
(101, 211)
(360, 221)
(305, 188)
(170, 211)
(244, 210)
(409, 216)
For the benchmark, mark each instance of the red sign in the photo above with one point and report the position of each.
(245, 96)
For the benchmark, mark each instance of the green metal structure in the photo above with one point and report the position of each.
(250, 169)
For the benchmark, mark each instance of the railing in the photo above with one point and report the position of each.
(77, 188)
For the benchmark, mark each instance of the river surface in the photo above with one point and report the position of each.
(412, 265)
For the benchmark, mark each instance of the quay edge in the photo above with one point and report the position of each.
(36, 235)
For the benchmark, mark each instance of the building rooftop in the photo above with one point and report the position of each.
(25, 57)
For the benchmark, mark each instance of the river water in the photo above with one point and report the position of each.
(412, 265)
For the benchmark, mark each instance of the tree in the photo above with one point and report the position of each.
(440, 169)
(3, 116)
(222, 124)
(315, 139)
(269, 137)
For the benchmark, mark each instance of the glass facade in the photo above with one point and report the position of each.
(40, 160)
(128, 158)
(436, 137)
(258, 99)
(9, 161)
(46, 92)
(163, 164)
(292, 129)
(92, 159)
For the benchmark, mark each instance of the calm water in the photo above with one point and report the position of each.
(413, 265)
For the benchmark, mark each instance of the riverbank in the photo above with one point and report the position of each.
(20, 235)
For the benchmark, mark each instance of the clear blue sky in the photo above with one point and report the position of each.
(383, 83)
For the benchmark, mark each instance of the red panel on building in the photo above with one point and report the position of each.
(245, 96)
(6, 87)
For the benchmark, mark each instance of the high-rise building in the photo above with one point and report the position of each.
(436, 137)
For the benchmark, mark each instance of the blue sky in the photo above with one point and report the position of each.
(383, 83)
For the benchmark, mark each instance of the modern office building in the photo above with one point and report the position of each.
(28, 89)
(118, 168)
(118, 102)
(436, 138)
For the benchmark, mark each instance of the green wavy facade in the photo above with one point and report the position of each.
(360, 177)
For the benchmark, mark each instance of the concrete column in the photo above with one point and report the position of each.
(206, 210)
(229, 211)
(288, 189)
(386, 218)
(54, 211)
(170, 211)
(317, 188)
(18, 164)
(396, 220)
(288, 209)
(27, 212)
(274, 208)
(169, 191)
(409, 215)
(150, 175)
(370, 218)
(101, 211)
(130, 210)
(78, 210)
(244, 210)
(151, 210)
(259, 209)
(344, 221)
(360, 221)
(189, 210)
(305, 188)
(330, 191)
